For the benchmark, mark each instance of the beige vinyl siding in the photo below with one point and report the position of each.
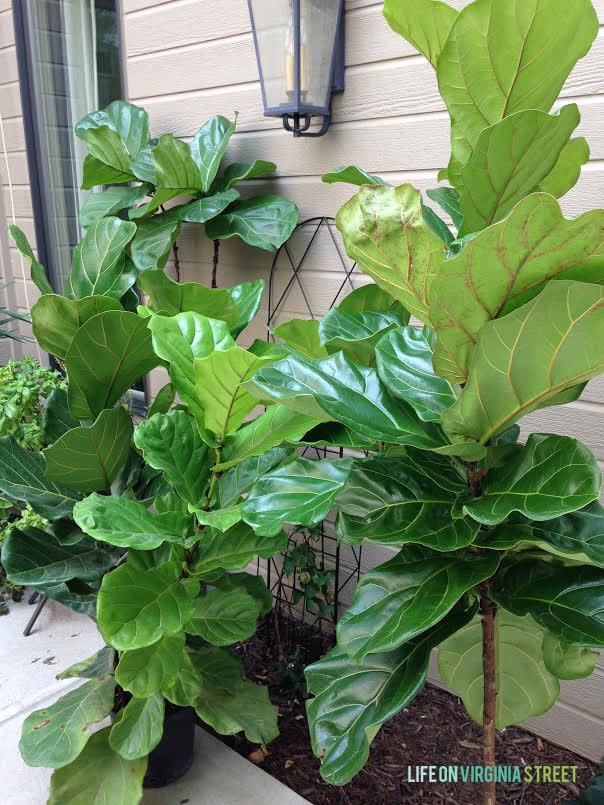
(188, 60)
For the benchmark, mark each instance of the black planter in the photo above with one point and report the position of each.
(173, 756)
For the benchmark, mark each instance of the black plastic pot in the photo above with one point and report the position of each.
(173, 756)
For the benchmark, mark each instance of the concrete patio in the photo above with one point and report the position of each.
(29, 666)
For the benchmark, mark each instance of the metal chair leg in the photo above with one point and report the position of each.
(35, 616)
(33, 597)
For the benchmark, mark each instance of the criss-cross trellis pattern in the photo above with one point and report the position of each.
(315, 242)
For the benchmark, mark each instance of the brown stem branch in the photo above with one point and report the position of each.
(176, 261)
(488, 612)
(215, 264)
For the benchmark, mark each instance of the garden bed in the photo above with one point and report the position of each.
(433, 730)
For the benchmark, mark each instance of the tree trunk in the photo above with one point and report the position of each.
(488, 611)
(215, 264)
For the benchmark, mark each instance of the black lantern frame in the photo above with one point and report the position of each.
(297, 114)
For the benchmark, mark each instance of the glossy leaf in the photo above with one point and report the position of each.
(245, 708)
(139, 728)
(233, 549)
(395, 501)
(509, 161)
(578, 535)
(353, 699)
(136, 609)
(447, 199)
(275, 426)
(56, 735)
(238, 481)
(385, 232)
(99, 775)
(95, 172)
(567, 170)
(548, 477)
(219, 519)
(525, 687)
(247, 297)
(56, 319)
(37, 270)
(303, 336)
(525, 359)
(171, 443)
(567, 660)
(174, 165)
(129, 121)
(89, 458)
(108, 354)
(502, 58)
(23, 477)
(404, 365)
(357, 334)
(209, 145)
(172, 297)
(164, 399)
(203, 209)
(179, 340)
(153, 242)
(98, 666)
(32, 556)
(252, 584)
(224, 617)
(566, 601)
(262, 221)
(302, 492)
(333, 434)
(127, 523)
(425, 24)
(242, 172)
(111, 201)
(187, 686)
(407, 595)
(506, 266)
(351, 174)
(347, 393)
(146, 671)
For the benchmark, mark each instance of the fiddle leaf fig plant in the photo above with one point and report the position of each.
(139, 518)
(496, 533)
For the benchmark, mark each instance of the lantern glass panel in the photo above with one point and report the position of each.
(274, 23)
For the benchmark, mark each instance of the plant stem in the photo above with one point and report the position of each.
(215, 264)
(176, 261)
(488, 611)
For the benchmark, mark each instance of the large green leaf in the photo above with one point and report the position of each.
(404, 365)
(209, 145)
(56, 735)
(525, 688)
(174, 165)
(128, 524)
(98, 666)
(502, 58)
(203, 209)
(567, 169)
(96, 172)
(56, 319)
(425, 24)
(234, 549)
(99, 260)
(252, 584)
(153, 242)
(243, 707)
(402, 598)
(567, 601)
(509, 161)
(171, 443)
(180, 340)
(130, 122)
(224, 617)
(578, 535)
(99, 776)
(332, 434)
(108, 354)
(172, 297)
(37, 270)
(111, 201)
(525, 359)
(139, 728)
(353, 699)
(301, 492)
(219, 519)
(89, 458)
(394, 501)
(32, 556)
(303, 336)
(351, 174)
(136, 609)
(546, 478)
(247, 297)
(276, 425)
(347, 393)
(58, 419)
(506, 266)
(242, 172)
(384, 231)
(567, 660)
(187, 685)
(23, 477)
(218, 380)
(146, 671)
(240, 479)
(357, 334)
(262, 221)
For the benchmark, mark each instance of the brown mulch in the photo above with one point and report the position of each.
(433, 730)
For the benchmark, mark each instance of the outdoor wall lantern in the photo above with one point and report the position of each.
(300, 54)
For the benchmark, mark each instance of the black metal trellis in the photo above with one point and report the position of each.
(301, 626)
